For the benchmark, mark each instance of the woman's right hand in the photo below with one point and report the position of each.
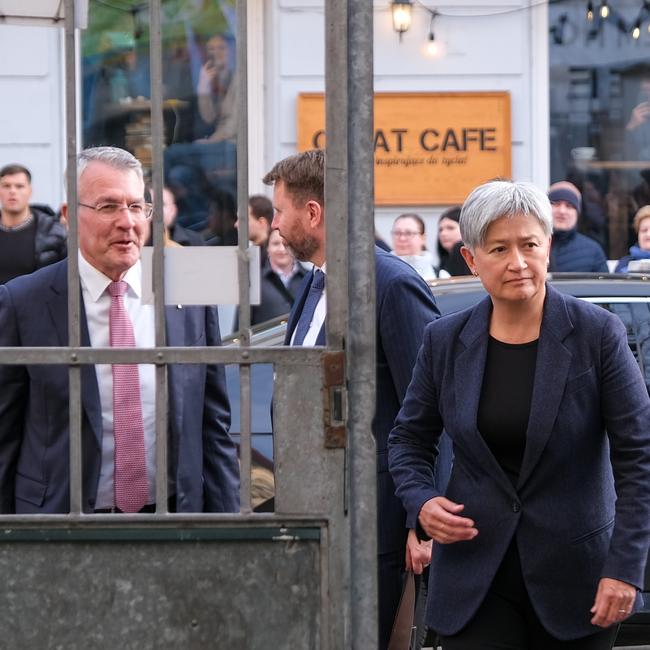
(639, 116)
(207, 75)
(439, 517)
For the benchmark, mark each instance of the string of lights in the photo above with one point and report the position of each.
(597, 18)
(604, 15)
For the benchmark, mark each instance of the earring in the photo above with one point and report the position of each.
(475, 273)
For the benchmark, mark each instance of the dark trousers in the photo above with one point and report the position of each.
(506, 619)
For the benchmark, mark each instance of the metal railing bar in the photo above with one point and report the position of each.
(71, 522)
(336, 170)
(157, 139)
(154, 534)
(243, 254)
(74, 294)
(361, 341)
(245, 464)
(338, 614)
(243, 267)
(76, 356)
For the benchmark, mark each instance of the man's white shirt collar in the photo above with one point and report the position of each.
(96, 283)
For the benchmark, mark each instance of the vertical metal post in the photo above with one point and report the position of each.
(243, 253)
(351, 302)
(336, 201)
(74, 298)
(336, 170)
(157, 140)
(362, 319)
(242, 170)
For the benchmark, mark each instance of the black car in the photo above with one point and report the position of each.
(627, 296)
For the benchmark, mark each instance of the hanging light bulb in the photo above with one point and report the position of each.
(432, 45)
(590, 11)
(432, 48)
(604, 9)
(636, 31)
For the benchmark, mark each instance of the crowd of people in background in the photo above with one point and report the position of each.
(33, 235)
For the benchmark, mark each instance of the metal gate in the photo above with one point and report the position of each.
(302, 577)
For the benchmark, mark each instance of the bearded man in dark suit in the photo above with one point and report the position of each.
(404, 307)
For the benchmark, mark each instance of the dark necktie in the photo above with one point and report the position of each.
(130, 480)
(308, 309)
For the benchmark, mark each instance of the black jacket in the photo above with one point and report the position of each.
(571, 252)
(50, 241)
(276, 299)
(185, 236)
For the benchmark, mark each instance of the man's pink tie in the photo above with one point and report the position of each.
(130, 481)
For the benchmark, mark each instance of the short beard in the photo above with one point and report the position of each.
(304, 249)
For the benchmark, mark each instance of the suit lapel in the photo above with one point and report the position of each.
(58, 307)
(469, 368)
(298, 305)
(551, 372)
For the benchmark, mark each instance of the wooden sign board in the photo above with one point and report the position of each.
(430, 148)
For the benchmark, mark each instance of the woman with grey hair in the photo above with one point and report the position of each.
(542, 533)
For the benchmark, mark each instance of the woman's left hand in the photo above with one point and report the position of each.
(614, 602)
(418, 553)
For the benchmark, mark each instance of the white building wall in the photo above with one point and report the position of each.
(32, 123)
(500, 45)
(490, 46)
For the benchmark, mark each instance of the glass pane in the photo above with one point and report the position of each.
(199, 92)
(600, 116)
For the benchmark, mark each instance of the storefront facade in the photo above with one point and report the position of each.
(573, 126)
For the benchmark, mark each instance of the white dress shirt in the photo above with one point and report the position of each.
(97, 302)
(320, 313)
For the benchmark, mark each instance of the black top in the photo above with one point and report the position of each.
(17, 253)
(505, 401)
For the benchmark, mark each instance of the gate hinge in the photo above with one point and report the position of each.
(335, 405)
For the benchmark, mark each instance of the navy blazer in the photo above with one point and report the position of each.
(34, 427)
(577, 515)
(405, 306)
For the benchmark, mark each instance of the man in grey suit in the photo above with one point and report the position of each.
(118, 401)
(404, 307)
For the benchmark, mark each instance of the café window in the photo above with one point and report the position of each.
(199, 92)
(600, 113)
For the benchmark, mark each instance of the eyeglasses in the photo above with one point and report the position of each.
(110, 211)
(408, 234)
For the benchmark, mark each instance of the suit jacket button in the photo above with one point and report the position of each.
(516, 506)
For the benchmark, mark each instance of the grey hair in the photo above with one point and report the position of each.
(496, 199)
(111, 156)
